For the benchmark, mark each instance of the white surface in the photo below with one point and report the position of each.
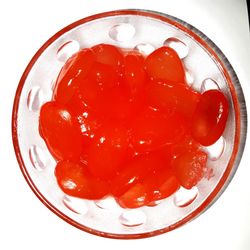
(24, 221)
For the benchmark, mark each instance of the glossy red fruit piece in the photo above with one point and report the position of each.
(76, 66)
(103, 75)
(161, 184)
(89, 123)
(107, 151)
(76, 105)
(187, 144)
(154, 129)
(60, 131)
(135, 197)
(171, 98)
(189, 167)
(108, 54)
(118, 106)
(210, 117)
(134, 72)
(156, 185)
(97, 84)
(74, 179)
(167, 188)
(135, 169)
(165, 64)
(87, 119)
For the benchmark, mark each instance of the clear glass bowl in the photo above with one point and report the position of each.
(206, 67)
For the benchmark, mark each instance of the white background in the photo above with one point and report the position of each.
(25, 223)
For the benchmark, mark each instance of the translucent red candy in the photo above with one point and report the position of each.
(60, 131)
(107, 150)
(134, 73)
(210, 116)
(165, 64)
(172, 98)
(189, 167)
(75, 69)
(75, 180)
(128, 126)
(152, 129)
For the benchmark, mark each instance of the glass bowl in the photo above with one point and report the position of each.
(206, 67)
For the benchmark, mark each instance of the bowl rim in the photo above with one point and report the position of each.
(238, 104)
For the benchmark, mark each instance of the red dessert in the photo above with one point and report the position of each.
(124, 125)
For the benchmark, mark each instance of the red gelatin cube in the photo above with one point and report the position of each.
(189, 168)
(173, 98)
(154, 129)
(135, 197)
(60, 131)
(74, 179)
(161, 184)
(187, 144)
(107, 151)
(97, 84)
(77, 66)
(108, 54)
(165, 64)
(134, 73)
(134, 170)
(155, 183)
(210, 117)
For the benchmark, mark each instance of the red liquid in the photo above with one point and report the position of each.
(124, 125)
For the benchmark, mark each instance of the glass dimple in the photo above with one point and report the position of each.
(35, 99)
(184, 197)
(122, 32)
(179, 46)
(37, 157)
(145, 48)
(76, 205)
(189, 77)
(215, 150)
(208, 84)
(132, 218)
(106, 203)
(66, 50)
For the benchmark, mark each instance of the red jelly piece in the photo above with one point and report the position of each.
(74, 179)
(167, 188)
(189, 168)
(58, 128)
(210, 117)
(134, 170)
(134, 73)
(103, 75)
(165, 64)
(161, 184)
(154, 129)
(77, 66)
(187, 144)
(97, 84)
(135, 197)
(155, 185)
(115, 104)
(107, 151)
(108, 54)
(87, 121)
(177, 97)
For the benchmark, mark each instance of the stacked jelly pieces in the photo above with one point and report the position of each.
(128, 125)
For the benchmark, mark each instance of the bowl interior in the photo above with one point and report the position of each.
(205, 67)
